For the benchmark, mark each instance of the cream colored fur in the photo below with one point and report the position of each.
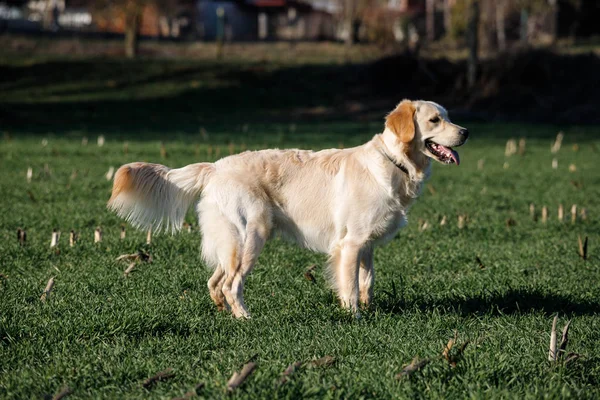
(340, 202)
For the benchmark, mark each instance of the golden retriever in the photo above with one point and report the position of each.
(343, 202)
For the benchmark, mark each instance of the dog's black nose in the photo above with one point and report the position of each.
(464, 132)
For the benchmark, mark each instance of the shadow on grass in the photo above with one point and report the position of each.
(513, 301)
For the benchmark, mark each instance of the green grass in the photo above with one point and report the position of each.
(102, 334)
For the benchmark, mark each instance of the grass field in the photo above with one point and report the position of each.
(102, 334)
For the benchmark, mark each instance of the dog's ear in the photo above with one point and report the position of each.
(401, 121)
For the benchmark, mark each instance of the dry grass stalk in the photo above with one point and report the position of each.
(423, 225)
(554, 163)
(309, 273)
(572, 168)
(187, 227)
(239, 378)
(72, 238)
(479, 262)
(218, 152)
(98, 235)
(29, 174)
(129, 269)
(561, 213)
(431, 189)
(231, 148)
(161, 376)
(522, 144)
(414, 366)
(149, 236)
(22, 236)
(557, 143)
(552, 352)
(583, 214)
(583, 247)
(84, 141)
(101, 140)
(506, 165)
(209, 151)
(123, 233)
(573, 213)
(31, 196)
(462, 221)
(110, 173)
(532, 211)
(125, 147)
(134, 257)
(511, 147)
(443, 221)
(63, 393)
(47, 290)
(163, 150)
(448, 347)
(323, 361)
(564, 340)
(480, 164)
(55, 237)
(544, 214)
(289, 371)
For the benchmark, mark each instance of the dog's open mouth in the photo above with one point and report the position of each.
(443, 154)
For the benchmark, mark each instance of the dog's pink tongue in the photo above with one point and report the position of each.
(450, 152)
(455, 156)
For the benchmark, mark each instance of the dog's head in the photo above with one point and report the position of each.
(424, 126)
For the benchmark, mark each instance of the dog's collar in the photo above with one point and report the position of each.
(399, 166)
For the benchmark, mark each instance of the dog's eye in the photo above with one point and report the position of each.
(435, 120)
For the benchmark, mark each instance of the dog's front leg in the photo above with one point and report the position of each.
(346, 272)
(366, 277)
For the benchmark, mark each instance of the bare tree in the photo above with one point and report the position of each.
(130, 12)
(473, 42)
(500, 25)
(430, 19)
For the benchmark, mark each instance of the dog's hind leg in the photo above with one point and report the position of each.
(215, 287)
(256, 236)
(366, 277)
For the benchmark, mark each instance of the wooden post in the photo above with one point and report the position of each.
(55, 237)
(98, 235)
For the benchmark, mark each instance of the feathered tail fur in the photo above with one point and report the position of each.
(155, 196)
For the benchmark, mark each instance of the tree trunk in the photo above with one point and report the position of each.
(132, 24)
(430, 19)
(447, 17)
(349, 15)
(473, 42)
(500, 28)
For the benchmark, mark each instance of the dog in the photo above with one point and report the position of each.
(342, 202)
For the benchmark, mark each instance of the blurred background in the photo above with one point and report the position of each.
(132, 67)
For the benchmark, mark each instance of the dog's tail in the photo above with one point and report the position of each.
(157, 197)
